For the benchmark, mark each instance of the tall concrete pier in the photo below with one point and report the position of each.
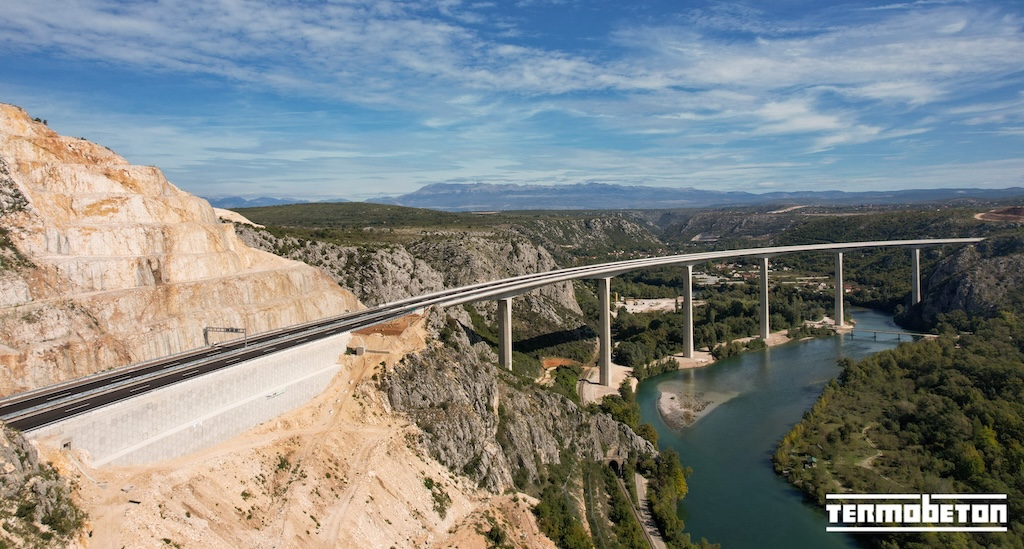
(686, 261)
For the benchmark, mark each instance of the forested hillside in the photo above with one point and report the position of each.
(935, 416)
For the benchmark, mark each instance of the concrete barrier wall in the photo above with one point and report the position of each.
(197, 413)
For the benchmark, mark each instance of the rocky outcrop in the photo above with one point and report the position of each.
(481, 421)
(103, 263)
(36, 509)
(375, 275)
(694, 225)
(979, 280)
(593, 236)
(475, 419)
(467, 259)
(389, 273)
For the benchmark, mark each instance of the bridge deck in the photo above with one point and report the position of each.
(56, 403)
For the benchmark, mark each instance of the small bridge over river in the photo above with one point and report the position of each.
(899, 335)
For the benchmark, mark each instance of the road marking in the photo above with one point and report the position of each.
(234, 360)
(56, 396)
(122, 378)
(77, 408)
(139, 388)
(193, 371)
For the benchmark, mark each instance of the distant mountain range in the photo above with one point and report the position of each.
(461, 197)
(600, 196)
(232, 202)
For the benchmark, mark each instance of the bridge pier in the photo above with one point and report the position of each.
(915, 280)
(604, 361)
(766, 329)
(840, 313)
(688, 312)
(505, 333)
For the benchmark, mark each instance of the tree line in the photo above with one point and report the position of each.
(730, 311)
(935, 416)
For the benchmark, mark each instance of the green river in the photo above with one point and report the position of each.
(735, 498)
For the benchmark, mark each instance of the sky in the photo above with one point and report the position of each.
(360, 99)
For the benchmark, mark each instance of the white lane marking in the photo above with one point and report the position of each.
(77, 408)
(138, 388)
(190, 372)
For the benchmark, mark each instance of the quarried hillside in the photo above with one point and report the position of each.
(103, 263)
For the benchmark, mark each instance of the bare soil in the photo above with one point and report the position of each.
(341, 471)
(1009, 213)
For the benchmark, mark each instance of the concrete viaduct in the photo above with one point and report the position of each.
(605, 272)
(174, 405)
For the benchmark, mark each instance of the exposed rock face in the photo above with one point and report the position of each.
(376, 276)
(35, 507)
(103, 263)
(684, 226)
(476, 419)
(979, 280)
(466, 259)
(381, 275)
(598, 234)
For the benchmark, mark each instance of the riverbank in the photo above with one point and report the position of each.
(590, 389)
(679, 406)
(728, 449)
(678, 409)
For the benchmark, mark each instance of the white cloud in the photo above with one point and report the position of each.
(913, 93)
(360, 50)
(796, 117)
(664, 102)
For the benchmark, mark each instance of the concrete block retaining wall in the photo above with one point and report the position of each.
(197, 413)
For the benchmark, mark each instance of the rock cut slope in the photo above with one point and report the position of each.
(103, 263)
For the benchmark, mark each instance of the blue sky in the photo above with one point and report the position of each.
(357, 99)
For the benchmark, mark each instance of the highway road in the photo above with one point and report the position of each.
(40, 407)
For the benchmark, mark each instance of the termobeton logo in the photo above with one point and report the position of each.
(916, 513)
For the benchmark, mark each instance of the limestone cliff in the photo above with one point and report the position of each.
(485, 423)
(103, 263)
(980, 280)
(376, 276)
(382, 274)
(607, 233)
(480, 421)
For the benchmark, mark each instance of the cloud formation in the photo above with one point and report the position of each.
(447, 86)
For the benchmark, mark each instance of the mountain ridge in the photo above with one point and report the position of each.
(232, 202)
(598, 196)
